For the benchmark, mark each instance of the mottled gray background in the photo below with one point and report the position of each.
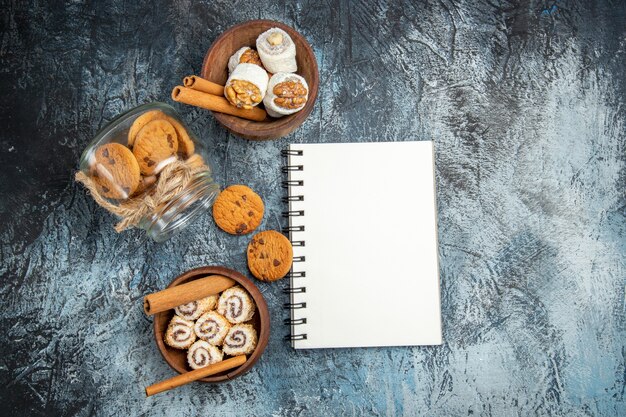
(525, 101)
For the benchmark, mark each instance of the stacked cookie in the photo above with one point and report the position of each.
(155, 139)
(213, 327)
(239, 210)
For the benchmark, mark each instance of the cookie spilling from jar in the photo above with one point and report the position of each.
(126, 170)
(267, 75)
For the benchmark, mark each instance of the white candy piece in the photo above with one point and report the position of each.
(233, 61)
(202, 354)
(180, 333)
(195, 309)
(277, 51)
(251, 73)
(240, 340)
(272, 108)
(212, 327)
(236, 305)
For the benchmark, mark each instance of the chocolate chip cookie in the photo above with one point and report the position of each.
(141, 121)
(115, 171)
(155, 143)
(238, 210)
(269, 255)
(196, 161)
(185, 144)
(145, 183)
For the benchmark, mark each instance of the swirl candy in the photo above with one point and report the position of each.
(195, 309)
(179, 333)
(277, 51)
(240, 340)
(202, 354)
(212, 327)
(236, 305)
(286, 94)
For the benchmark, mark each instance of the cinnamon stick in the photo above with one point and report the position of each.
(215, 103)
(200, 84)
(185, 293)
(195, 375)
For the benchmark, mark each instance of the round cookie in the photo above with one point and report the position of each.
(269, 255)
(185, 144)
(196, 161)
(155, 142)
(141, 121)
(115, 171)
(238, 210)
(145, 183)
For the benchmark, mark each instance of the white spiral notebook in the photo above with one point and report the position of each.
(362, 220)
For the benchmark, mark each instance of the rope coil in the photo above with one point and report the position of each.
(173, 180)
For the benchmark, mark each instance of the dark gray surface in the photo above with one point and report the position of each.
(525, 103)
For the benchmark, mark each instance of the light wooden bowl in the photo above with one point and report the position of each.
(177, 358)
(215, 68)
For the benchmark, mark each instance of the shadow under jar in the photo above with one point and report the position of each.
(150, 170)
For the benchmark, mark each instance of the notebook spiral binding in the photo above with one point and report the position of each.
(293, 196)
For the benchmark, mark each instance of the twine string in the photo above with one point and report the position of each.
(173, 179)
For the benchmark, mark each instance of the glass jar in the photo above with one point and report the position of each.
(150, 170)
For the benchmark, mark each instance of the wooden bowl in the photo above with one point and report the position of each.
(215, 68)
(177, 358)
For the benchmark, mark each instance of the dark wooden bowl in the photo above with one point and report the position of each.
(215, 68)
(177, 358)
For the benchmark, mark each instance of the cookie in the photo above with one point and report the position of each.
(269, 255)
(196, 161)
(185, 144)
(238, 210)
(145, 183)
(115, 171)
(141, 121)
(155, 142)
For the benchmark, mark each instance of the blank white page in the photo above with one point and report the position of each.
(370, 245)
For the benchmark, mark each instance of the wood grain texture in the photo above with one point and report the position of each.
(525, 101)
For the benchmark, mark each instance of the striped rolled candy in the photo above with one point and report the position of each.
(244, 55)
(180, 333)
(212, 327)
(202, 354)
(286, 94)
(246, 86)
(194, 309)
(236, 305)
(277, 51)
(240, 340)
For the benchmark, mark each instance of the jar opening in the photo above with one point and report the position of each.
(178, 213)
